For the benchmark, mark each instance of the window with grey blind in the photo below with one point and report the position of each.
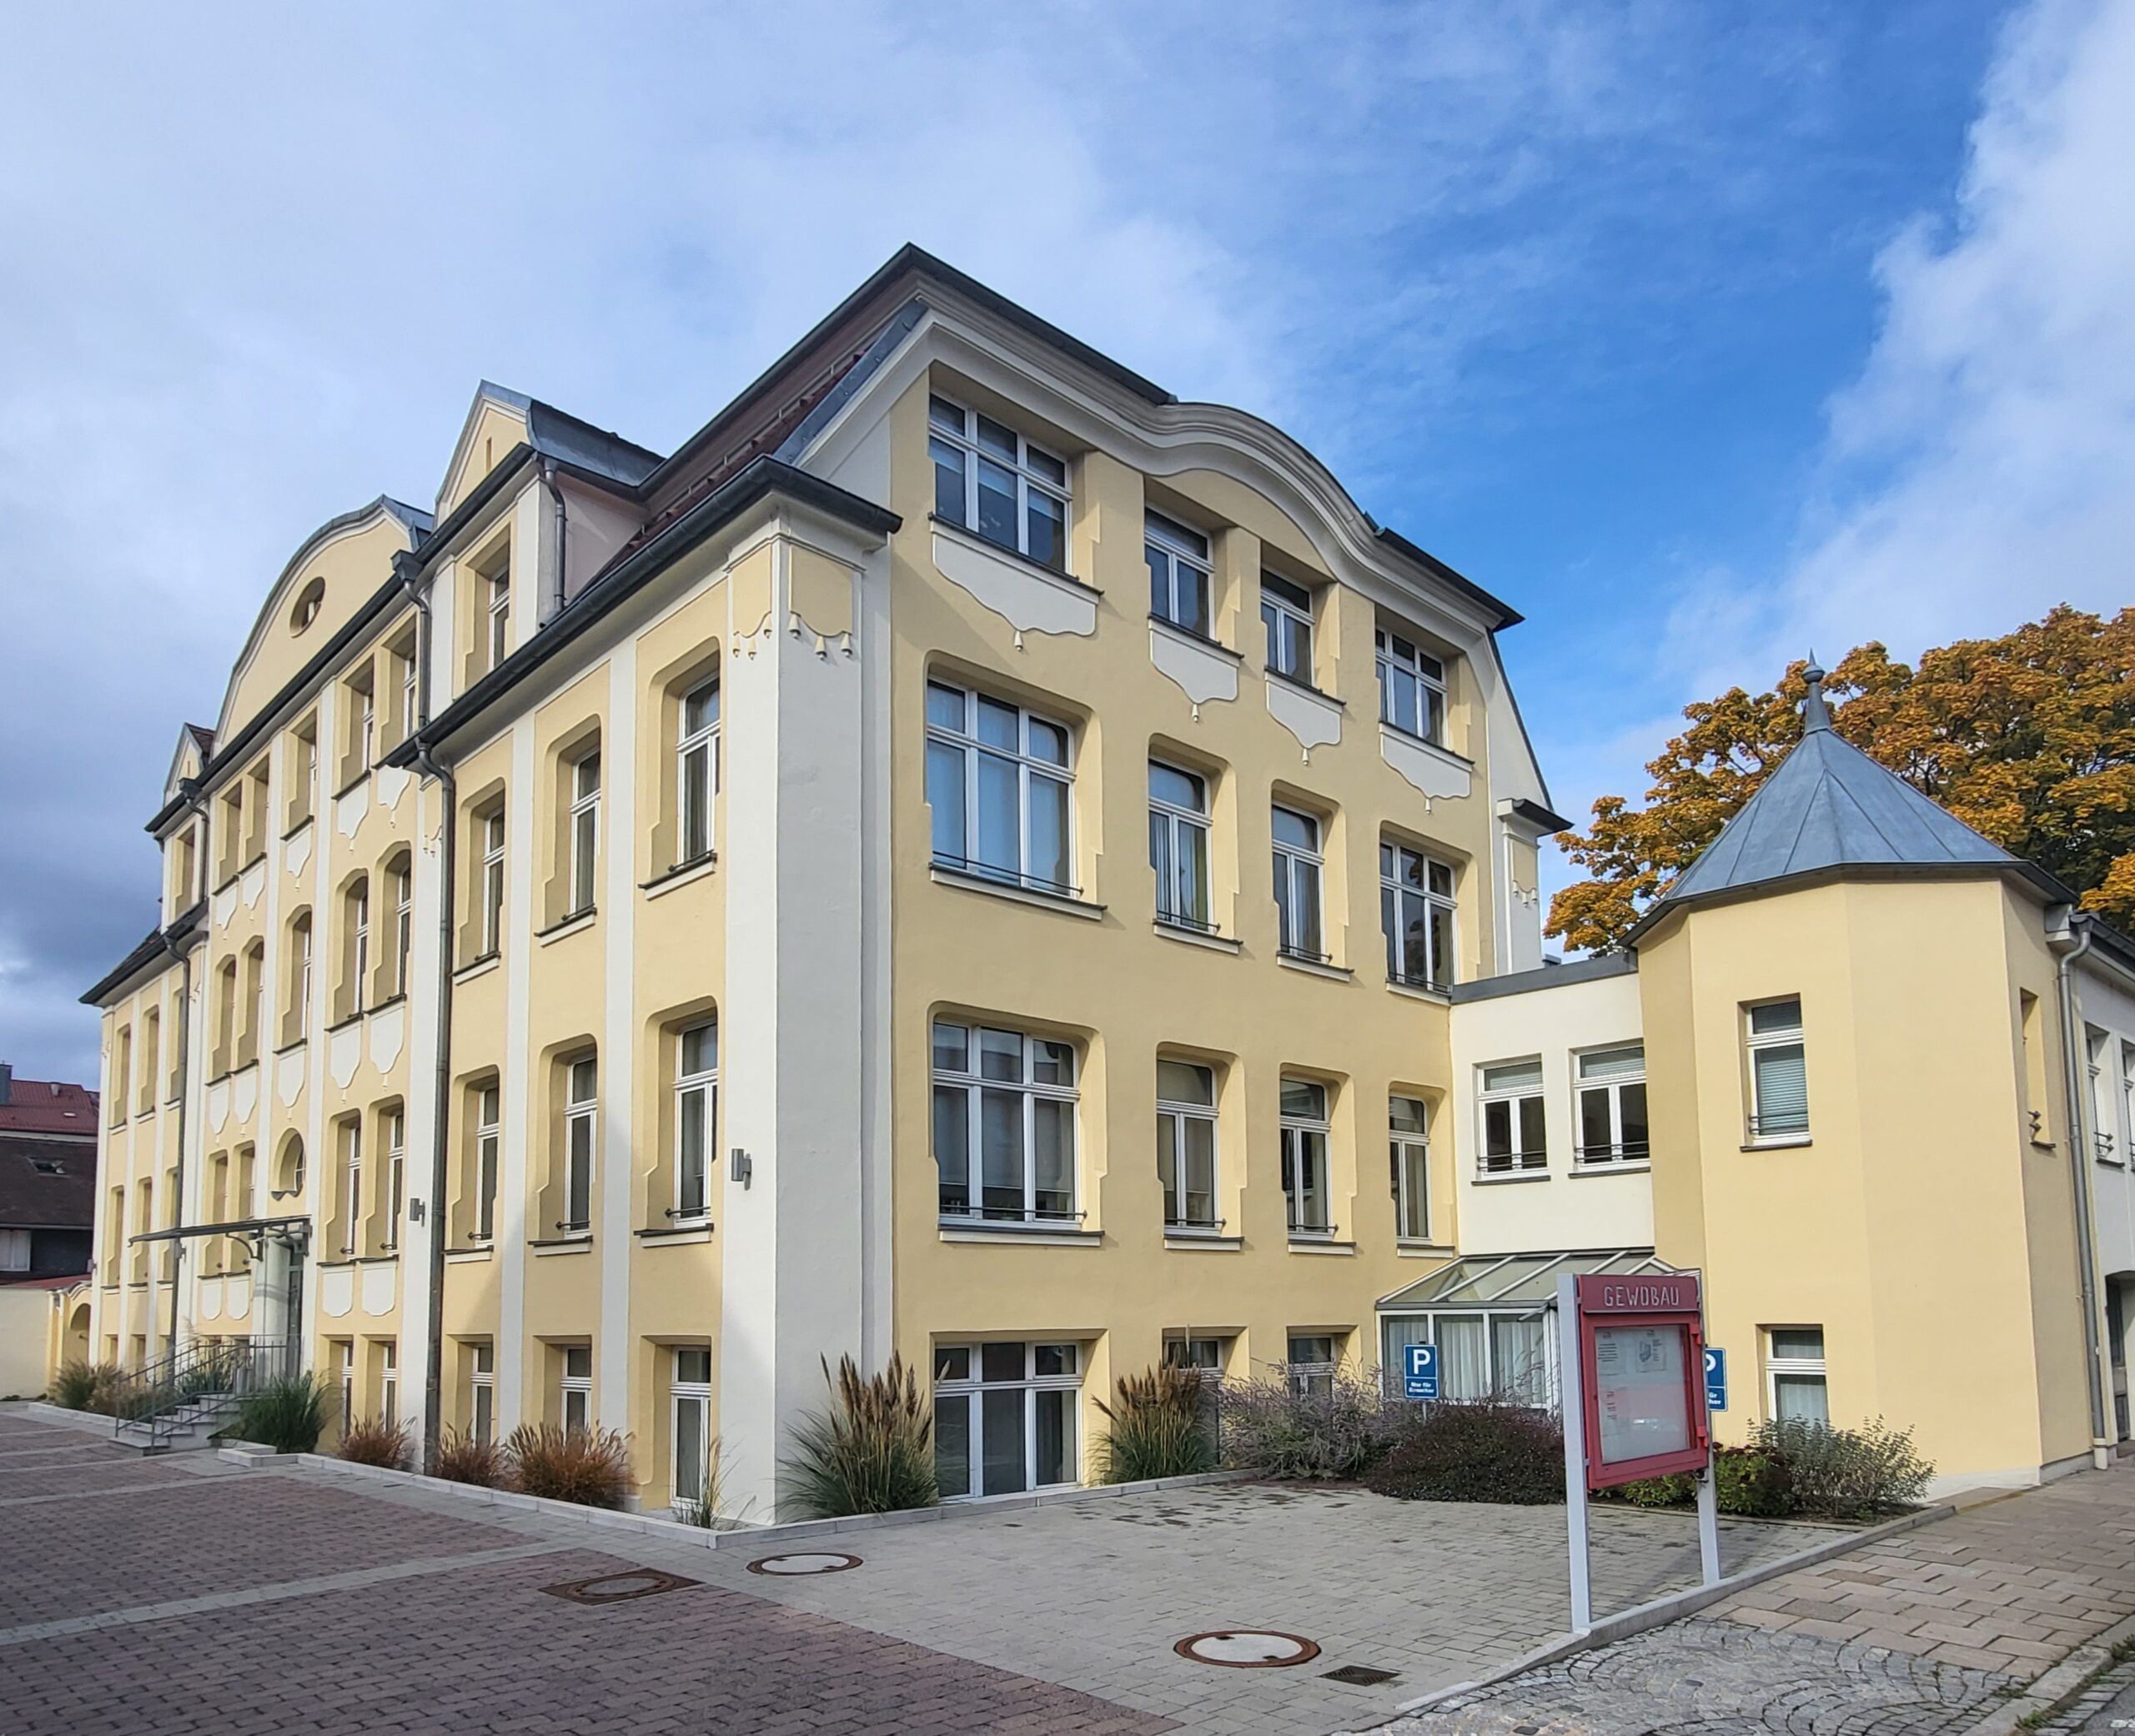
(1515, 1138)
(1186, 1144)
(1611, 1103)
(1779, 1078)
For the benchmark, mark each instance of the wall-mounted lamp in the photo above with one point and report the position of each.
(415, 1212)
(739, 1167)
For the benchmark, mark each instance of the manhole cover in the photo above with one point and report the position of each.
(619, 1587)
(1248, 1648)
(788, 1566)
(1359, 1675)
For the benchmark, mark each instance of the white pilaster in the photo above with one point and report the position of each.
(611, 1367)
(525, 1098)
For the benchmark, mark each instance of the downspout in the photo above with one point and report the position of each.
(441, 1109)
(563, 535)
(191, 791)
(2075, 1046)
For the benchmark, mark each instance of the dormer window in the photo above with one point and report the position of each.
(990, 479)
(1411, 687)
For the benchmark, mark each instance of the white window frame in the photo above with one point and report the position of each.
(1289, 625)
(1179, 568)
(1180, 1113)
(693, 1395)
(388, 1381)
(1171, 823)
(1305, 1139)
(359, 925)
(1411, 687)
(696, 774)
(1795, 1035)
(953, 427)
(1031, 1092)
(14, 1250)
(403, 926)
(498, 627)
(581, 1142)
(351, 1184)
(493, 835)
(701, 1084)
(366, 721)
(1300, 884)
(1401, 901)
(574, 1391)
(584, 837)
(306, 939)
(2105, 1131)
(407, 674)
(971, 1390)
(1520, 1159)
(1206, 1356)
(2127, 1051)
(1311, 1377)
(489, 1150)
(1031, 767)
(482, 1392)
(1619, 1152)
(346, 1371)
(1408, 1164)
(1816, 1368)
(396, 1161)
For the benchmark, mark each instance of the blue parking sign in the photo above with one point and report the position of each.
(1419, 1377)
(1715, 1379)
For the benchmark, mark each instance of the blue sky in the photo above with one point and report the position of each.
(1700, 333)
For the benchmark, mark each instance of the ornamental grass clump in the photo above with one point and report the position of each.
(464, 1457)
(286, 1413)
(871, 1452)
(590, 1466)
(1848, 1474)
(1315, 1428)
(375, 1440)
(1506, 1453)
(1161, 1426)
(74, 1384)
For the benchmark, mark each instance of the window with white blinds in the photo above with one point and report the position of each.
(1778, 1069)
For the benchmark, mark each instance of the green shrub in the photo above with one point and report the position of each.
(1160, 1427)
(1680, 1489)
(1848, 1473)
(1754, 1481)
(374, 1442)
(1338, 1429)
(1488, 1452)
(704, 1512)
(590, 1466)
(871, 1452)
(286, 1413)
(76, 1383)
(468, 1458)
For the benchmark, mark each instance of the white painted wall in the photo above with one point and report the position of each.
(2105, 1001)
(1559, 1207)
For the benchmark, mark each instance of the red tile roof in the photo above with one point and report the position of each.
(38, 1106)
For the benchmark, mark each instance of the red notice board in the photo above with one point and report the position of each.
(1641, 1347)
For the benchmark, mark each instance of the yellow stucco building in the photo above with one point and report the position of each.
(970, 855)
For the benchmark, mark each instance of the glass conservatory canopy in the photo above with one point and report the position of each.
(1512, 1282)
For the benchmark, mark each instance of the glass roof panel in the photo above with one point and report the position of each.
(1511, 1280)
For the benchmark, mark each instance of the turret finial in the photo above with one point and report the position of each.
(1815, 714)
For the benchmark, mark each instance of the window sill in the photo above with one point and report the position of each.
(570, 924)
(1512, 1176)
(1636, 1166)
(1199, 642)
(1333, 973)
(1414, 1250)
(1425, 741)
(294, 1047)
(1013, 894)
(467, 1256)
(1197, 937)
(1418, 991)
(1005, 1234)
(474, 967)
(346, 1020)
(986, 545)
(680, 874)
(389, 1001)
(1185, 1237)
(1302, 686)
(295, 828)
(681, 1235)
(360, 778)
(1304, 1242)
(579, 1244)
(1783, 1145)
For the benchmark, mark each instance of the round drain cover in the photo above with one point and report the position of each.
(785, 1566)
(1248, 1648)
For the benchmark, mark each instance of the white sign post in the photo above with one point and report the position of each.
(1571, 1406)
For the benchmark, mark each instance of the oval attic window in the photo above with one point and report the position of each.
(309, 601)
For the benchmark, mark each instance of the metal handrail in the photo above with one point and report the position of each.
(184, 1378)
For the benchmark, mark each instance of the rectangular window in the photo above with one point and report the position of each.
(1004, 1125)
(396, 1158)
(363, 727)
(697, 1120)
(989, 478)
(492, 927)
(1304, 1130)
(1411, 687)
(1515, 1139)
(1204, 1355)
(1795, 1373)
(1779, 1078)
(1005, 1416)
(998, 779)
(690, 1397)
(1313, 1359)
(1179, 582)
(410, 715)
(1299, 868)
(1611, 1101)
(581, 1124)
(696, 771)
(403, 881)
(1408, 1158)
(1186, 1144)
(352, 1183)
(488, 1134)
(585, 831)
(1416, 910)
(388, 1381)
(498, 606)
(358, 946)
(1178, 845)
(482, 1392)
(345, 1368)
(14, 1250)
(577, 1386)
(1286, 612)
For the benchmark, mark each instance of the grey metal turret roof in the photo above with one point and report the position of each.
(1829, 808)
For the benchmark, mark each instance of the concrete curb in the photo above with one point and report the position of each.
(674, 1531)
(87, 1421)
(1676, 1605)
(2050, 1692)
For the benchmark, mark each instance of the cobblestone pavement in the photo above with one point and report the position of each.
(2105, 1708)
(1899, 1637)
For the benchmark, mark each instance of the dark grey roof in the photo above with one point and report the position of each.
(1829, 809)
(1548, 976)
(573, 440)
(46, 1184)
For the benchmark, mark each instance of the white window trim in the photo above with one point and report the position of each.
(697, 1396)
(580, 1112)
(1029, 1385)
(970, 748)
(359, 920)
(403, 926)
(1799, 1367)
(1291, 906)
(499, 608)
(1180, 1113)
(352, 1185)
(696, 794)
(493, 888)
(1301, 619)
(1430, 690)
(489, 1152)
(388, 1381)
(1295, 1132)
(482, 1377)
(1183, 553)
(1615, 1154)
(973, 1084)
(1520, 1161)
(1753, 1040)
(1442, 979)
(1401, 1144)
(1030, 479)
(396, 1157)
(705, 1082)
(1176, 819)
(579, 1385)
(584, 834)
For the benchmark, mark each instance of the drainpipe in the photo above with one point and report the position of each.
(191, 791)
(563, 534)
(441, 1109)
(2075, 1045)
